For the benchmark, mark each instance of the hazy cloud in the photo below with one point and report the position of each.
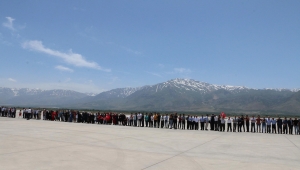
(12, 80)
(131, 50)
(70, 57)
(182, 70)
(9, 23)
(62, 68)
(155, 74)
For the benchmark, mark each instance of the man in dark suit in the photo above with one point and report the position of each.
(212, 122)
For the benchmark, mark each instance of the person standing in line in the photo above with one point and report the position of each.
(247, 123)
(166, 118)
(229, 124)
(188, 122)
(196, 123)
(162, 121)
(191, 119)
(269, 122)
(235, 124)
(183, 118)
(206, 121)
(179, 121)
(253, 120)
(279, 125)
(243, 122)
(296, 127)
(143, 117)
(212, 122)
(290, 124)
(273, 125)
(258, 123)
(147, 120)
(285, 125)
(139, 118)
(158, 120)
(202, 122)
(171, 121)
(240, 120)
(222, 126)
(193, 122)
(263, 124)
(175, 120)
(155, 120)
(217, 123)
(28, 113)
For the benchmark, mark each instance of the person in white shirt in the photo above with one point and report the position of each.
(166, 119)
(206, 120)
(28, 113)
(268, 122)
(196, 119)
(222, 128)
(216, 123)
(202, 121)
(229, 124)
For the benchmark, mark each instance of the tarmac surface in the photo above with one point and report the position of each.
(38, 145)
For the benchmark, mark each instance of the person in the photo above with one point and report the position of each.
(263, 125)
(240, 120)
(139, 117)
(155, 118)
(135, 119)
(202, 122)
(222, 126)
(206, 120)
(229, 124)
(166, 118)
(269, 122)
(258, 123)
(28, 113)
(279, 125)
(179, 121)
(235, 123)
(175, 120)
(273, 125)
(190, 122)
(162, 120)
(243, 122)
(171, 121)
(253, 120)
(217, 123)
(247, 123)
(290, 124)
(212, 122)
(146, 119)
(296, 127)
(183, 119)
(196, 123)
(285, 125)
(20, 113)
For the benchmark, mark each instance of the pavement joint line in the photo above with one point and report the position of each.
(180, 153)
(31, 150)
(292, 142)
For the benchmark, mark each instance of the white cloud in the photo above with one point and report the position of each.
(9, 23)
(131, 50)
(62, 68)
(12, 80)
(70, 57)
(154, 74)
(161, 66)
(182, 70)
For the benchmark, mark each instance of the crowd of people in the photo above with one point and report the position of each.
(172, 121)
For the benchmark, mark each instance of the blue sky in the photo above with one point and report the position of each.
(93, 46)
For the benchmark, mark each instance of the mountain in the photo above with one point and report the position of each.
(38, 97)
(173, 95)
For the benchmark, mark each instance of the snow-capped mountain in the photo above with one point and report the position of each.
(175, 94)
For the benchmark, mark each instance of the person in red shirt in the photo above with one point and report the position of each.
(258, 123)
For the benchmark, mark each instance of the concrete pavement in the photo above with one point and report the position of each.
(38, 144)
